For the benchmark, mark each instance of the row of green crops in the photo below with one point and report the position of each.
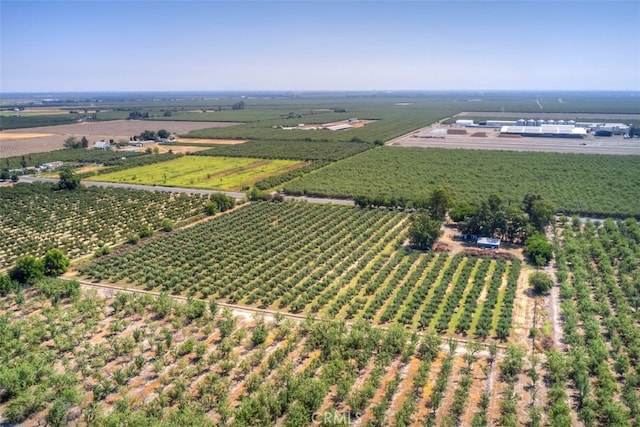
(327, 260)
(35, 218)
(575, 183)
(599, 272)
(139, 359)
(29, 121)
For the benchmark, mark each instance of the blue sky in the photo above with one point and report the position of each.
(148, 45)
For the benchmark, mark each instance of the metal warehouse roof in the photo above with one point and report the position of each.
(545, 130)
(339, 127)
(488, 241)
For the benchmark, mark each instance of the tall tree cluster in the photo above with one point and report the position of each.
(509, 221)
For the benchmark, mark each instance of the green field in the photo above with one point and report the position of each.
(576, 183)
(224, 173)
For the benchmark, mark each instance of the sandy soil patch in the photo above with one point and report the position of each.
(210, 141)
(178, 149)
(4, 136)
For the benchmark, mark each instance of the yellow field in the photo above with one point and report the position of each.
(5, 136)
(223, 173)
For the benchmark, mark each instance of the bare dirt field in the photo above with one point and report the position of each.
(492, 141)
(18, 144)
(181, 149)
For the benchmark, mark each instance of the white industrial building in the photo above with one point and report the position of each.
(556, 131)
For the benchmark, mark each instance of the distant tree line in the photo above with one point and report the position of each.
(437, 204)
(150, 135)
(29, 269)
(137, 115)
(73, 142)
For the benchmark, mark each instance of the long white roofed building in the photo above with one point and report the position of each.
(552, 131)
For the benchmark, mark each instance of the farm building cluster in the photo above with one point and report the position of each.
(340, 125)
(550, 128)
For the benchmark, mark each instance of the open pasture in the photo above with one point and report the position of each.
(150, 360)
(329, 261)
(203, 172)
(597, 185)
(34, 218)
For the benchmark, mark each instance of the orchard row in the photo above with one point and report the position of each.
(35, 218)
(328, 261)
(74, 357)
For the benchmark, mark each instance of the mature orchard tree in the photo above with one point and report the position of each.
(463, 211)
(541, 212)
(27, 270)
(72, 142)
(223, 201)
(424, 231)
(441, 200)
(7, 285)
(538, 249)
(68, 180)
(147, 135)
(55, 262)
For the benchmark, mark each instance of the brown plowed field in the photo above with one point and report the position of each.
(22, 141)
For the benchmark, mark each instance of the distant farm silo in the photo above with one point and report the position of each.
(561, 122)
(521, 122)
(531, 122)
(551, 122)
(539, 122)
(571, 122)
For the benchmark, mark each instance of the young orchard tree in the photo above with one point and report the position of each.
(540, 282)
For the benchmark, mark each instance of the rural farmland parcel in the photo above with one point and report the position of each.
(18, 142)
(230, 173)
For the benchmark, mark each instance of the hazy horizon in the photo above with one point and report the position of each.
(318, 46)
